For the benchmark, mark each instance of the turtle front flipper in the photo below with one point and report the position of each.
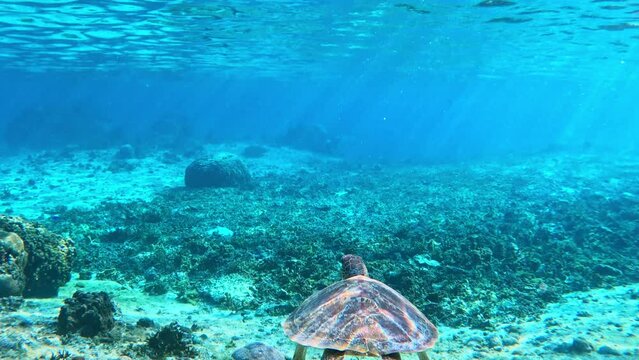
(394, 356)
(300, 352)
(330, 354)
(422, 355)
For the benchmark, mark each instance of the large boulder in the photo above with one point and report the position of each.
(49, 260)
(13, 260)
(220, 170)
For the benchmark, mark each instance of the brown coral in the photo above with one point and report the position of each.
(13, 260)
(50, 256)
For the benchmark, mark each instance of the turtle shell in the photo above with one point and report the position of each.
(362, 316)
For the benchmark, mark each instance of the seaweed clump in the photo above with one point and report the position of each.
(172, 340)
(88, 313)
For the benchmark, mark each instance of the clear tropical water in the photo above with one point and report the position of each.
(480, 155)
(390, 77)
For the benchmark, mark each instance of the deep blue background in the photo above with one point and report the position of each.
(377, 116)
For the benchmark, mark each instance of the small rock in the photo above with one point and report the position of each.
(257, 351)
(425, 260)
(221, 231)
(493, 341)
(157, 287)
(11, 303)
(85, 275)
(540, 339)
(311, 137)
(145, 322)
(119, 165)
(125, 152)
(254, 151)
(11, 342)
(607, 270)
(509, 340)
(607, 350)
(475, 340)
(514, 329)
(581, 346)
(551, 323)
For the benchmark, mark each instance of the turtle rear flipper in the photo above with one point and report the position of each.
(394, 356)
(300, 352)
(330, 354)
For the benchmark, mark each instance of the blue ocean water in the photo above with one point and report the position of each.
(394, 80)
(481, 156)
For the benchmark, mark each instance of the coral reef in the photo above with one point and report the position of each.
(172, 340)
(468, 245)
(13, 260)
(257, 351)
(89, 314)
(50, 256)
(221, 170)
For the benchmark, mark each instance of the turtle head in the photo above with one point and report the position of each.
(353, 265)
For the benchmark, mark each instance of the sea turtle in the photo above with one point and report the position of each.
(359, 316)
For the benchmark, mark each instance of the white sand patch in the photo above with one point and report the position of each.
(83, 180)
(614, 322)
